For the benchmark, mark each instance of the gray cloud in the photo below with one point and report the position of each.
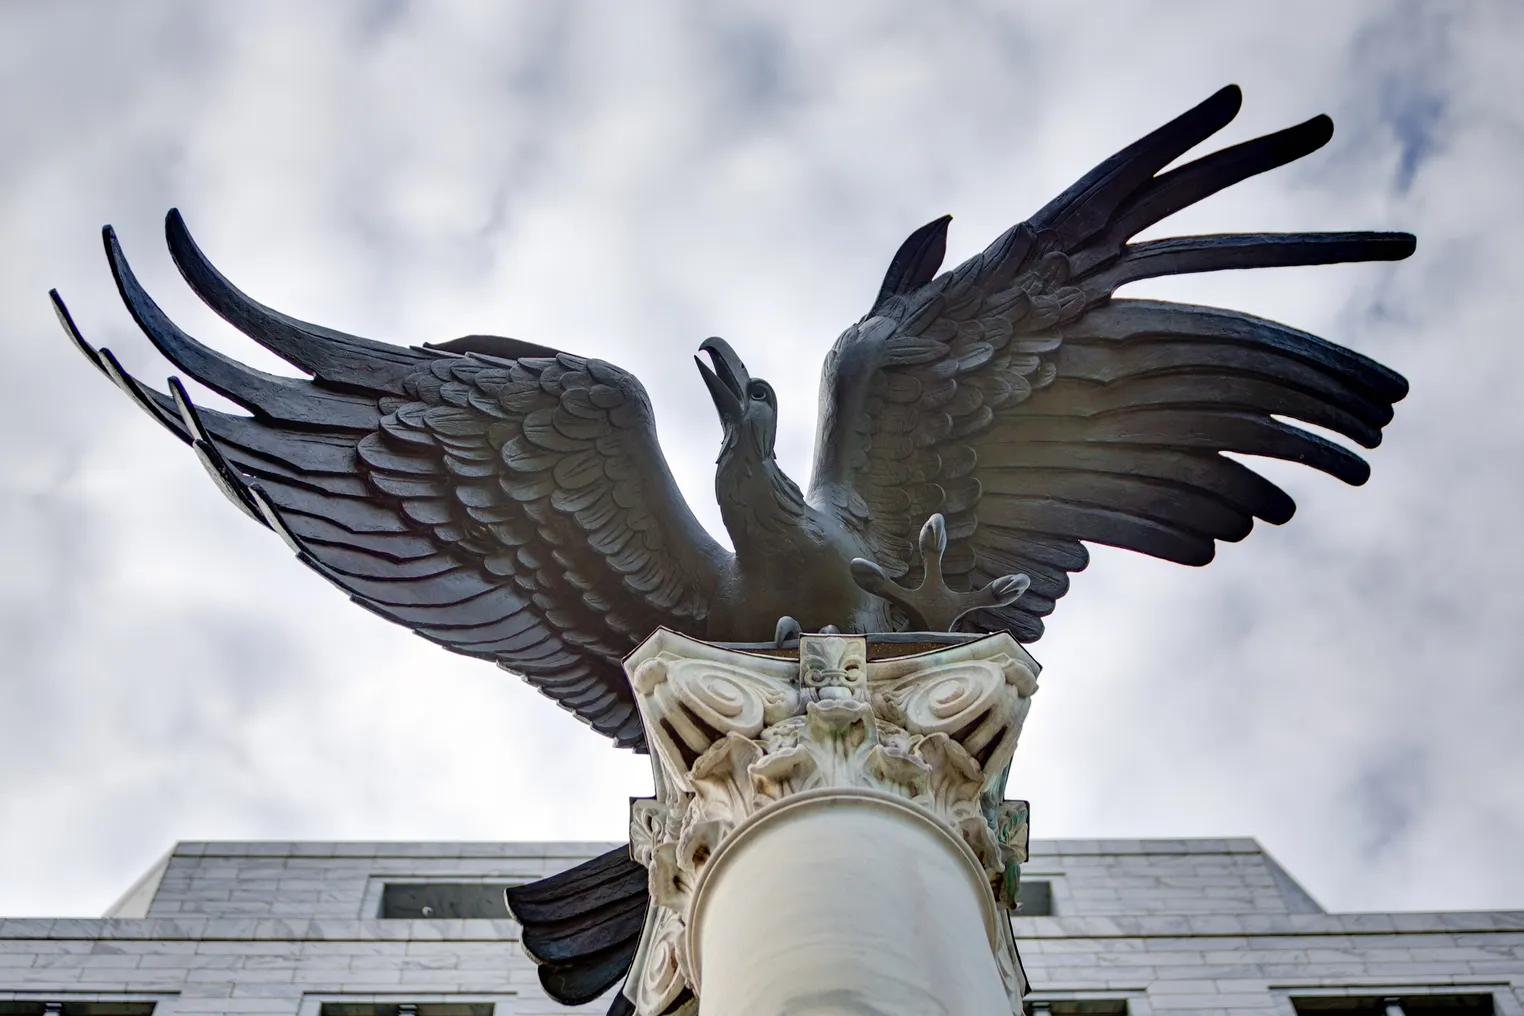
(623, 182)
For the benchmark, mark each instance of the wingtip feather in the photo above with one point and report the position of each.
(917, 260)
(216, 464)
(188, 257)
(329, 354)
(1229, 97)
(61, 311)
(1402, 245)
(1321, 126)
(107, 364)
(1092, 199)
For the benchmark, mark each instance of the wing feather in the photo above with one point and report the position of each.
(330, 355)
(1017, 397)
(502, 499)
(583, 925)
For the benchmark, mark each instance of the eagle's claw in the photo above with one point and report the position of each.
(932, 605)
(787, 630)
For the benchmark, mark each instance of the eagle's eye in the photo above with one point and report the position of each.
(758, 391)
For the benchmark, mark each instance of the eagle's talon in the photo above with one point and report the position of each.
(934, 539)
(787, 630)
(932, 605)
(1007, 589)
(871, 577)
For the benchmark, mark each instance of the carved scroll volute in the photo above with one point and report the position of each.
(691, 699)
(660, 965)
(980, 702)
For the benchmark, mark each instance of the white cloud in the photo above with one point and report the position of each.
(623, 182)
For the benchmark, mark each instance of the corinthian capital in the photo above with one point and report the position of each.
(734, 734)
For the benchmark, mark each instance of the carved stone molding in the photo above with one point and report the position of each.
(734, 733)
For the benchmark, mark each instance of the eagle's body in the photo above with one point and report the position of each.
(510, 501)
(798, 544)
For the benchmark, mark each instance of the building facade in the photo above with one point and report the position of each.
(379, 929)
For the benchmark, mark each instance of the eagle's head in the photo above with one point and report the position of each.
(747, 406)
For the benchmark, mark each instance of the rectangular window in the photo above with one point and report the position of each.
(1395, 1005)
(76, 1008)
(405, 1009)
(439, 900)
(1078, 1007)
(1034, 899)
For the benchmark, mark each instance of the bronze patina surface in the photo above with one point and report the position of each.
(509, 501)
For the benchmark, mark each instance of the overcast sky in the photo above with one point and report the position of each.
(622, 180)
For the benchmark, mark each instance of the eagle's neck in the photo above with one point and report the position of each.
(763, 510)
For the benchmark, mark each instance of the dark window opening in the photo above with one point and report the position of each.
(1396, 1005)
(1034, 899)
(405, 1009)
(440, 900)
(1078, 1007)
(76, 1008)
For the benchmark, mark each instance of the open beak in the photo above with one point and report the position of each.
(727, 381)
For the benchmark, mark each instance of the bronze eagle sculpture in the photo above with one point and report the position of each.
(510, 501)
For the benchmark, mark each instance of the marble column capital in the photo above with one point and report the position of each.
(736, 734)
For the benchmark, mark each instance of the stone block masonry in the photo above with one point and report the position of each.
(1144, 927)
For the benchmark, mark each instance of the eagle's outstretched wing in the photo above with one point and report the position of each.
(1014, 396)
(502, 499)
